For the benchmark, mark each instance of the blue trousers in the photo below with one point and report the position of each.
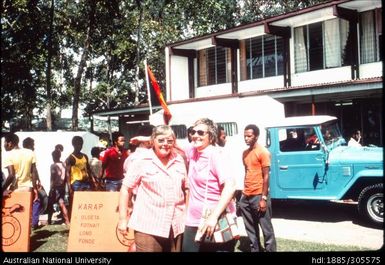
(81, 186)
(248, 206)
(113, 185)
(35, 213)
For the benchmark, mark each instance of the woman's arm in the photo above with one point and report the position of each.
(226, 197)
(125, 208)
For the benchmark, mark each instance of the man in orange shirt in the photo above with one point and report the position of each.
(254, 204)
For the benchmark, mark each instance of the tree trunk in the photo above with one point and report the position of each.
(48, 73)
(138, 53)
(82, 65)
(110, 75)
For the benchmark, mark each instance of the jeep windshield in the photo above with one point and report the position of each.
(332, 134)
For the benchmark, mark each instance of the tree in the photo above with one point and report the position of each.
(48, 74)
(61, 53)
(82, 63)
(23, 64)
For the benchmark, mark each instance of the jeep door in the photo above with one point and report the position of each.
(300, 170)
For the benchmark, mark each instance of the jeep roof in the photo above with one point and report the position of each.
(301, 121)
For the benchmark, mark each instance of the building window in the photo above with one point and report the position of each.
(180, 131)
(298, 139)
(214, 66)
(231, 128)
(315, 47)
(262, 57)
(370, 36)
(321, 45)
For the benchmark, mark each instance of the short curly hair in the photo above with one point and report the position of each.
(162, 130)
(254, 128)
(211, 128)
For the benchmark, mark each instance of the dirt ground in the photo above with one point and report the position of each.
(324, 222)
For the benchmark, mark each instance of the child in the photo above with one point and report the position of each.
(57, 191)
(96, 167)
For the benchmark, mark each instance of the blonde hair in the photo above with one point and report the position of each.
(162, 130)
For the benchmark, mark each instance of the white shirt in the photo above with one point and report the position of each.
(353, 142)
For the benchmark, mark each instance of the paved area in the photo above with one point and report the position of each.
(341, 233)
(324, 222)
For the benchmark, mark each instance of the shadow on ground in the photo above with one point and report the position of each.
(41, 236)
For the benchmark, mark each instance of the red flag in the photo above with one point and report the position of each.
(166, 112)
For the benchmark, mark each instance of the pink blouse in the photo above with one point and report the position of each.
(199, 170)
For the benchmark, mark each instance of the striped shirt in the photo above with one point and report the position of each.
(160, 201)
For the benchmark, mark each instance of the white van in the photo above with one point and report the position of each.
(232, 113)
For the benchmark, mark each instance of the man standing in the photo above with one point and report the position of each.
(58, 187)
(254, 204)
(78, 172)
(112, 162)
(21, 165)
(39, 203)
(221, 138)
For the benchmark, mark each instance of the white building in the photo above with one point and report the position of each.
(325, 59)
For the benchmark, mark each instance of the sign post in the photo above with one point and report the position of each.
(94, 222)
(16, 222)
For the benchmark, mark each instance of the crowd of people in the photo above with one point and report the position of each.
(164, 188)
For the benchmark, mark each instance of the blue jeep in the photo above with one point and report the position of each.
(310, 160)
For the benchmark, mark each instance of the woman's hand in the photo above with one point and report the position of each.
(122, 226)
(208, 228)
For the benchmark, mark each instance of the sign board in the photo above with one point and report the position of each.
(94, 223)
(16, 222)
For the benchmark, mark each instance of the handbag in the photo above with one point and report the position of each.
(226, 228)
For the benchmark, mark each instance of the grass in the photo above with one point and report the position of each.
(50, 238)
(287, 245)
(54, 238)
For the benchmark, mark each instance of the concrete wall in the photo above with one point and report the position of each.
(45, 143)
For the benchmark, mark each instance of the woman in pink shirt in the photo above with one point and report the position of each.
(207, 164)
(160, 176)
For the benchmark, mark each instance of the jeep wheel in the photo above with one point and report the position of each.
(371, 205)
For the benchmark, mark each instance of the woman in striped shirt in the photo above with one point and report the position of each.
(160, 178)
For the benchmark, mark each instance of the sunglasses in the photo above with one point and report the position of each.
(199, 132)
(162, 141)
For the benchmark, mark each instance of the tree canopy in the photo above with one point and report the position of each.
(60, 53)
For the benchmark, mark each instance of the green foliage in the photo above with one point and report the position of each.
(121, 34)
(22, 52)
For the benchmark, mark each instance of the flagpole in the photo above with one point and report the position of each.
(148, 87)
